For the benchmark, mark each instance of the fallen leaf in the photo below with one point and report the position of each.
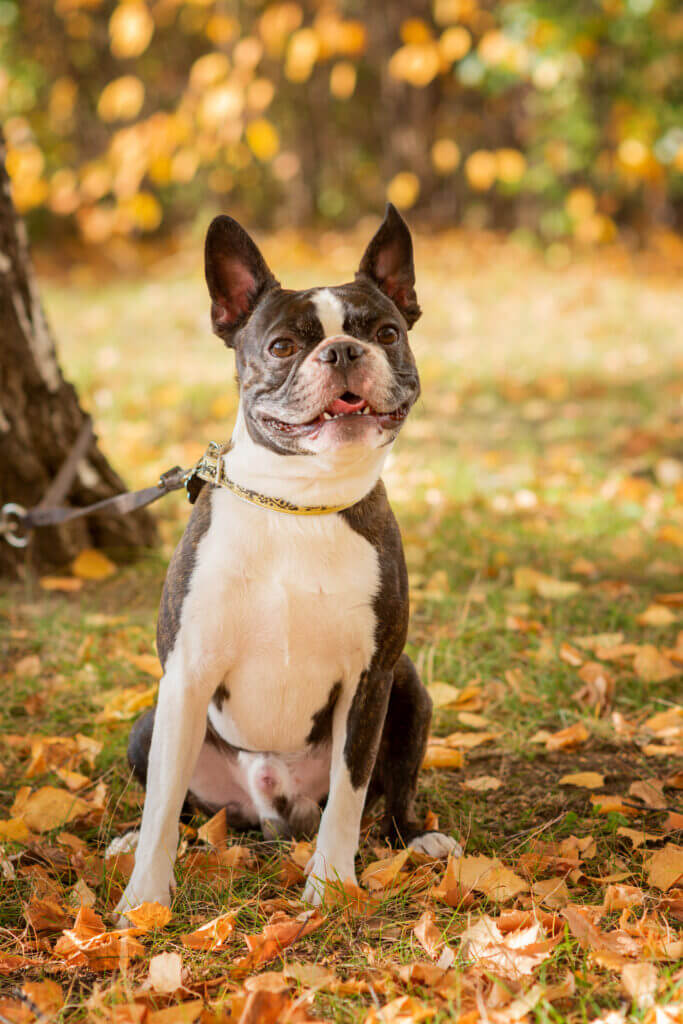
(443, 757)
(149, 916)
(553, 892)
(382, 874)
(46, 995)
(49, 807)
(219, 862)
(570, 655)
(621, 897)
(443, 694)
(543, 585)
(466, 740)
(311, 975)
(27, 667)
(215, 830)
(264, 1007)
(120, 705)
(637, 837)
(166, 972)
(605, 803)
(180, 1013)
(276, 937)
(449, 889)
(15, 830)
(653, 667)
(148, 663)
(640, 983)
(483, 784)
(665, 867)
(90, 564)
(650, 791)
(656, 615)
(586, 780)
(490, 877)
(567, 739)
(212, 935)
(598, 688)
(512, 955)
(599, 641)
(66, 584)
(428, 935)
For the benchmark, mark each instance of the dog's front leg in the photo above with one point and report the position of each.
(179, 730)
(356, 731)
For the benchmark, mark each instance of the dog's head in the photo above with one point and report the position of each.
(323, 368)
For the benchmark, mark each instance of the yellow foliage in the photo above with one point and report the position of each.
(481, 168)
(343, 80)
(260, 94)
(122, 99)
(221, 28)
(302, 54)
(416, 63)
(263, 139)
(403, 189)
(445, 155)
(277, 23)
(415, 30)
(92, 565)
(511, 165)
(454, 43)
(208, 70)
(131, 28)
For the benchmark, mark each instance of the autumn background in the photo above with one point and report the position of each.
(536, 150)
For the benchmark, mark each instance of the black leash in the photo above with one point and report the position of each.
(17, 523)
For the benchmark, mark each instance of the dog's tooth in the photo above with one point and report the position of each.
(327, 416)
(365, 411)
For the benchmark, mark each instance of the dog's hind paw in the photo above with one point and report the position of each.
(436, 844)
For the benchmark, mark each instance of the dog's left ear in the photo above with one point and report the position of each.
(388, 262)
(236, 274)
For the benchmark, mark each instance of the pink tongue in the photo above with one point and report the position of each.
(340, 406)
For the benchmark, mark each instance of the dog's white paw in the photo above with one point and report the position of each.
(320, 870)
(436, 844)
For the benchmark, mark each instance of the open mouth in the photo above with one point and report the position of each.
(348, 406)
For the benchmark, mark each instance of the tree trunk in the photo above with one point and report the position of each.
(40, 419)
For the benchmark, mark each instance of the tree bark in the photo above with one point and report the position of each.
(40, 418)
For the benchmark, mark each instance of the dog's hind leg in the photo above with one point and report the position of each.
(400, 756)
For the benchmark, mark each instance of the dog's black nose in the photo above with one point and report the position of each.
(341, 353)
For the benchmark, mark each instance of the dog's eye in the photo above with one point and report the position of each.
(283, 348)
(387, 334)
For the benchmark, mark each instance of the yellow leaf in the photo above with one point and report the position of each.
(211, 935)
(148, 663)
(490, 877)
(568, 738)
(640, 982)
(403, 189)
(263, 139)
(587, 780)
(92, 565)
(443, 694)
(15, 829)
(653, 667)
(671, 534)
(125, 704)
(63, 583)
(131, 27)
(483, 784)
(665, 867)
(383, 873)
(656, 615)
(122, 99)
(49, 807)
(443, 757)
(543, 585)
(551, 891)
(149, 915)
(605, 803)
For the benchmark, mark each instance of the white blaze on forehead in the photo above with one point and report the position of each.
(330, 310)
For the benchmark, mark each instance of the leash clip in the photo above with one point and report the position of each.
(11, 518)
(172, 479)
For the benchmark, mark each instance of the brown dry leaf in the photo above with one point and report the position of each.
(212, 935)
(265, 1007)
(221, 862)
(82, 895)
(553, 892)
(215, 830)
(46, 995)
(483, 784)
(466, 740)
(49, 807)
(512, 955)
(149, 915)
(489, 876)
(65, 584)
(621, 897)
(402, 1010)
(311, 976)
(598, 688)
(428, 935)
(570, 655)
(382, 874)
(181, 1013)
(665, 867)
(73, 780)
(637, 837)
(268, 981)
(671, 534)
(606, 803)
(567, 739)
(656, 615)
(27, 667)
(449, 889)
(88, 944)
(653, 667)
(166, 972)
(666, 725)
(48, 914)
(650, 791)
(443, 757)
(640, 983)
(609, 949)
(583, 567)
(90, 564)
(282, 932)
(585, 780)
(543, 585)
(599, 641)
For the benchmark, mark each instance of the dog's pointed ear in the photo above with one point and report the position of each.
(236, 274)
(388, 262)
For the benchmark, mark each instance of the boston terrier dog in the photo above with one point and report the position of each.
(285, 609)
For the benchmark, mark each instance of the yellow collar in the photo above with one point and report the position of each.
(211, 469)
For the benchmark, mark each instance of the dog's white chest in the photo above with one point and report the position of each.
(293, 599)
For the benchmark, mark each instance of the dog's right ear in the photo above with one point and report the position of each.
(236, 273)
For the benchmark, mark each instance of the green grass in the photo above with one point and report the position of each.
(551, 400)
